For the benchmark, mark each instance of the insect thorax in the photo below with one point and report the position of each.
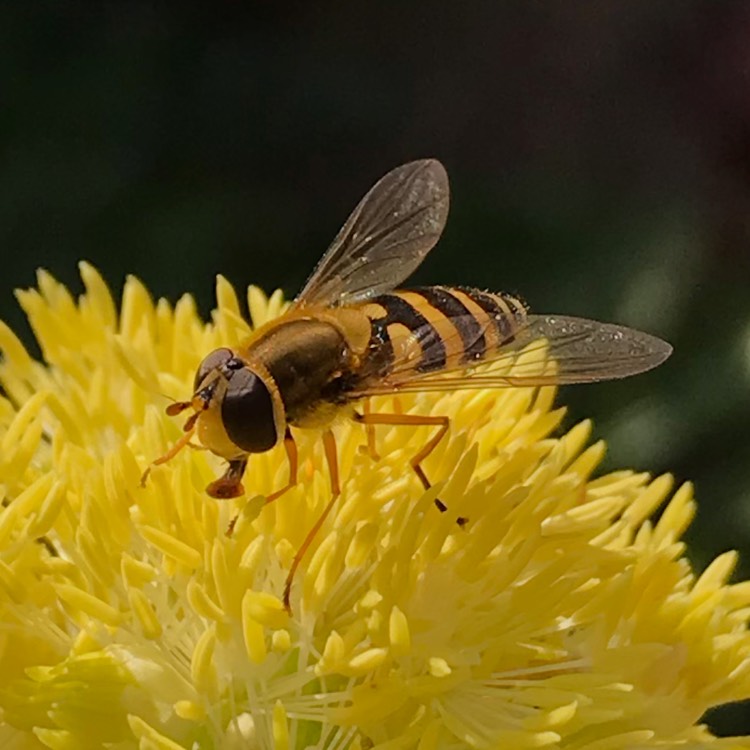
(305, 358)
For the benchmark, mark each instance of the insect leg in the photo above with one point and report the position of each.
(291, 453)
(172, 452)
(416, 420)
(329, 445)
(370, 430)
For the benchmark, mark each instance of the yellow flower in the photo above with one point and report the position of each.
(561, 616)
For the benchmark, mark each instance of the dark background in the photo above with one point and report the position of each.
(599, 154)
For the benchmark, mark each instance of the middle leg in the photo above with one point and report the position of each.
(329, 445)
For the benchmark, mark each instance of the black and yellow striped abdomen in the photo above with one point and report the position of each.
(436, 328)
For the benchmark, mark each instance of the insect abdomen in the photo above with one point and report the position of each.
(436, 328)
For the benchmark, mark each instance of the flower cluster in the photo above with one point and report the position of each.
(559, 616)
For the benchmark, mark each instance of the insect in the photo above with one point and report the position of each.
(349, 336)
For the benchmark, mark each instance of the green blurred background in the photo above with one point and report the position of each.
(599, 154)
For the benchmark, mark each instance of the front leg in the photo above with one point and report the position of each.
(291, 453)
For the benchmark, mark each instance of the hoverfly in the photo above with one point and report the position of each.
(349, 336)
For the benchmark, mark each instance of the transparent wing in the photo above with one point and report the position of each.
(545, 350)
(386, 237)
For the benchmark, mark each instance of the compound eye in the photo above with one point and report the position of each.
(247, 413)
(213, 361)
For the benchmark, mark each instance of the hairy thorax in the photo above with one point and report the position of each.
(305, 358)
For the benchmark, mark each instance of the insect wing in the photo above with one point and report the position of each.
(384, 239)
(545, 350)
(587, 351)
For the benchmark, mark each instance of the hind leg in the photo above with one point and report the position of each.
(414, 420)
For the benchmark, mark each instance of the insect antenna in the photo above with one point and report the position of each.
(177, 407)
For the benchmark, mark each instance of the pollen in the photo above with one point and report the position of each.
(563, 614)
